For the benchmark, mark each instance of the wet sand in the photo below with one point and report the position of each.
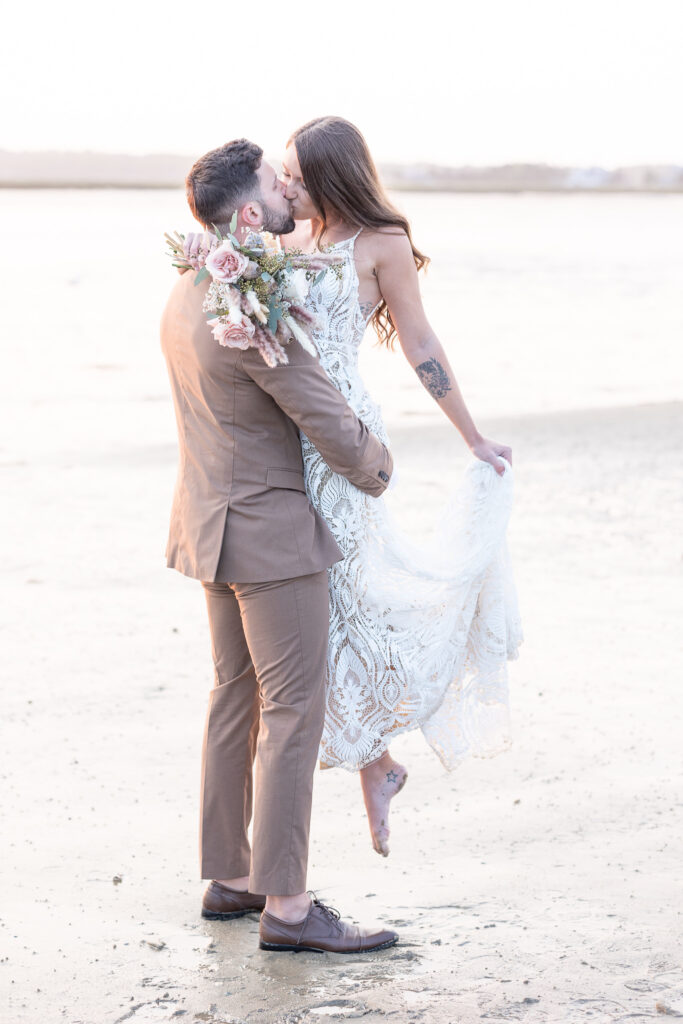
(543, 885)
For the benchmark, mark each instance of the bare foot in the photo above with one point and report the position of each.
(380, 781)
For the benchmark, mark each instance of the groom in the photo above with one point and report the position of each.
(242, 524)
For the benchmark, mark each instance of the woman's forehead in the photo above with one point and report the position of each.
(291, 158)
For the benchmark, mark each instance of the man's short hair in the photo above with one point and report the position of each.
(222, 180)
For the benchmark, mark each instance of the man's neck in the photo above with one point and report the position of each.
(241, 230)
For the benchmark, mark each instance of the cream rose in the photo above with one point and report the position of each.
(233, 335)
(226, 264)
(297, 287)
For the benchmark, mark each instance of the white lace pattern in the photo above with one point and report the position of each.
(418, 638)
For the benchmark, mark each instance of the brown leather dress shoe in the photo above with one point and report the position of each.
(222, 904)
(321, 931)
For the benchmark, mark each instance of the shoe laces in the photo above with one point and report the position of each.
(330, 912)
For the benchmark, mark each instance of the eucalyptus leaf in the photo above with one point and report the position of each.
(233, 222)
(318, 277)
(217, 232)
(274, 314)
(265, 276)
(201, 275)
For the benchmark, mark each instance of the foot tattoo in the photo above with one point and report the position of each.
(379, 788)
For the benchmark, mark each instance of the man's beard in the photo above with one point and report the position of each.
(277, 223)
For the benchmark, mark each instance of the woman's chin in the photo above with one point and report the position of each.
(299, 212)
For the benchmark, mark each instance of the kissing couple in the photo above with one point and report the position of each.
(331, 631)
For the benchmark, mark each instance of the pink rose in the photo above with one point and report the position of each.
(232, 335)
(226, 264)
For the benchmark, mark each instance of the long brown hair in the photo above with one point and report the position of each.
(341, 178)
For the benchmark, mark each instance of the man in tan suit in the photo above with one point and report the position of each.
(242, 524)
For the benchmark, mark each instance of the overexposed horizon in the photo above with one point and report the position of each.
(487, 83)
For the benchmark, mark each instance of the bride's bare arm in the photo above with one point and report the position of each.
(399, 285)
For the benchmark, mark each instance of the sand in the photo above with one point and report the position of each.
(543, 885)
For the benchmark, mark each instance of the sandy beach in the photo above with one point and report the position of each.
(543, 885)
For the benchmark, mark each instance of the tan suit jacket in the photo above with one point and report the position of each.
(240, 494)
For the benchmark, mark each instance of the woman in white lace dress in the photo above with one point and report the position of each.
(417, 638)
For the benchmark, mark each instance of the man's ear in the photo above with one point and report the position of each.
(251, 214)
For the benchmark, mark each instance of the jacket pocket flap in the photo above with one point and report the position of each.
(289, 478)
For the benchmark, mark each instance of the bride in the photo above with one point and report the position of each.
(417, 638)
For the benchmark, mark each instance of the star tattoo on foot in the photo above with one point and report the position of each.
(392, 776)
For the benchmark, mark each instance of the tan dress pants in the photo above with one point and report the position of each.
(265, 714)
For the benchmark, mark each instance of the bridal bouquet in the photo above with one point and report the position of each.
(257, 292)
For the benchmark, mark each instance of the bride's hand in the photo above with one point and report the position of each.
(489, 451)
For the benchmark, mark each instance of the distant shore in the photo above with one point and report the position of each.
(469, 189)
(58, 170)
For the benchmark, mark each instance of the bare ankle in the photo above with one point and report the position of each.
(289, 908)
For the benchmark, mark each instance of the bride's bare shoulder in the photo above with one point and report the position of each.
(388, 243)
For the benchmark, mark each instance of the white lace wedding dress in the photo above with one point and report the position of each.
(418, 638)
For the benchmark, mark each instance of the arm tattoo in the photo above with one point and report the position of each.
(366, 309)
(434, 377)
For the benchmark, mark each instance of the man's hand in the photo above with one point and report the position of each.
(489, 451)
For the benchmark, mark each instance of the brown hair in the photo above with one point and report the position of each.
(341, 178)
(222, 179)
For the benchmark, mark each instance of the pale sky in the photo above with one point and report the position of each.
(484, 81)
